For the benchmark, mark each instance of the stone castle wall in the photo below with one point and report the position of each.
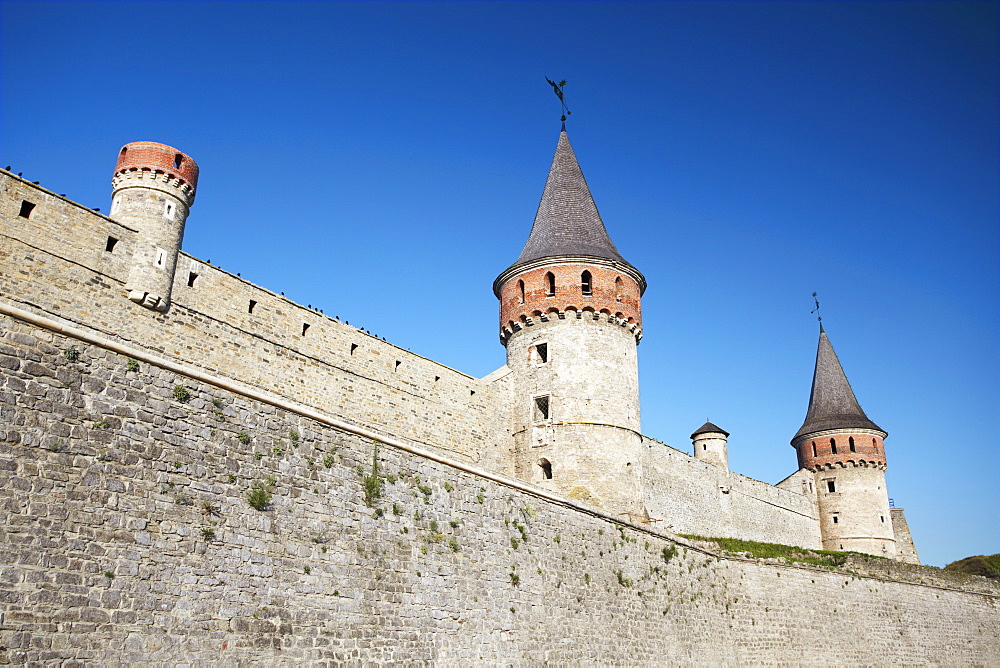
(128, 540)
(696, 497)
(57, 262)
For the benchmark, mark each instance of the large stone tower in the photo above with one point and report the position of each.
(153, 190)
(570, 319)
(845, 451)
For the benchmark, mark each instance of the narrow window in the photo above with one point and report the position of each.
(124, 150)
(836, 519)
(542, 353)
(305, 328)
(354, 347)
(882, 517)
(178, 159)
(251, 307)
(396, 368)
(814, 448)
(833, 446)
(704, 446)
(110, 246)
(831, 486)
(26, 209)
(586, 283)
(192, 277)
(850, 441)
(546, 469)
(618, 289)
(550, 284)
(541, 408)
(169, 213)
(161, 258)
(520, 292)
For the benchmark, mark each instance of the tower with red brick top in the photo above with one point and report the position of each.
(153, 190)
(845, 452)
(570, 318)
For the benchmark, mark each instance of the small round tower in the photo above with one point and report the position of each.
(152, 191)
(570, 319)
(845, 451)
(710, 445)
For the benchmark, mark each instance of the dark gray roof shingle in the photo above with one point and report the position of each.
(567, 221)
(832, 404)
(709, 428)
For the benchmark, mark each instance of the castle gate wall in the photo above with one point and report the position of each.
(128, 539)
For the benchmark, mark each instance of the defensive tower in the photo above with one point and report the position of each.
(845, 451)
(710, 445)
(152, 191)
(570, 319)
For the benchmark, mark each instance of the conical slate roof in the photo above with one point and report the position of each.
(709, 428)
(832, 404)
(567, 221)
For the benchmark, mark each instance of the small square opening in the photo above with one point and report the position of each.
(109, 247)
(192, 277)
(26, 209)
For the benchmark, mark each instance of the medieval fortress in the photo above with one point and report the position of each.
(405, 512)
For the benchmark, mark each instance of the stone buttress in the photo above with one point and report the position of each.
(570, 319)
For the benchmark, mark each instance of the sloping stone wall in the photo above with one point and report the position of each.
(128, 539)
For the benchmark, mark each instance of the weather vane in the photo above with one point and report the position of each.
(816, 310)
(558, 88)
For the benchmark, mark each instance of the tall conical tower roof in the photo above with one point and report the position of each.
(567, 223)
(832, 404)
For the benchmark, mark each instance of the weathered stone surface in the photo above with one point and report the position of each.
(164, 561)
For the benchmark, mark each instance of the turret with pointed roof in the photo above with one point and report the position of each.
(710, 445)
(570, 319)
(832, 404)
(845, 451)
(836, 429)
(569, 262)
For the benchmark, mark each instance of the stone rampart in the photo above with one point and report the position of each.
(128, 540)
(697, 497)
(61, 261)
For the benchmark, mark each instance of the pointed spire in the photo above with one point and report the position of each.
(567, 222)
(832, 404)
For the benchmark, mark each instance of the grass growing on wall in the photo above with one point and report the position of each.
(790, 553)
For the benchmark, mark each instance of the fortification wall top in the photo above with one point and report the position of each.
(57, 260)
(701, 498)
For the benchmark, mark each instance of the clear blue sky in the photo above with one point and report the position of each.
(384, 161)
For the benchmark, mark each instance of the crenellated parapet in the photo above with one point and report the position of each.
(841, 447)
(148, 163)
(146, 177)
(547, 289)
